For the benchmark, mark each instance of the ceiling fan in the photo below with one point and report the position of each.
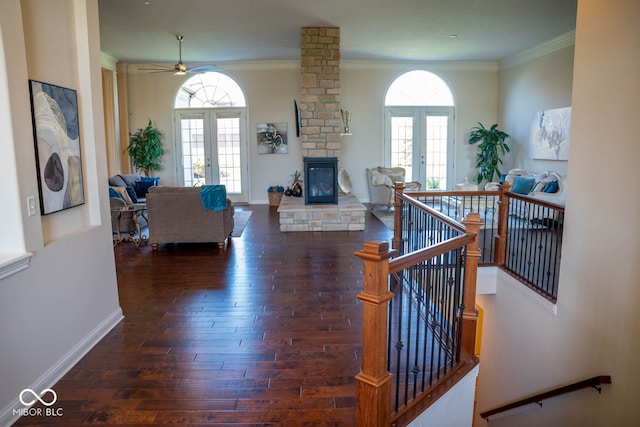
(180, 69)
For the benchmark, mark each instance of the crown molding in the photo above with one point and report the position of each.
(431, 65)
(560, 42)
(108, 61)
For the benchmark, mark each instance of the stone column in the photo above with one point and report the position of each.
(320, 92)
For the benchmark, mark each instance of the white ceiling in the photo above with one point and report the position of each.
(408, 30)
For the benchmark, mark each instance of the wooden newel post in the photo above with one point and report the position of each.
(397, 220)
(500, 239)
(470, 316)
(373, 384)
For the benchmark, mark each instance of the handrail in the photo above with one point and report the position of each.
(537, 398)
(404, 261)
(438, 215)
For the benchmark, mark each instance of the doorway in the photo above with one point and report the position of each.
(211, 150)
(211, 134)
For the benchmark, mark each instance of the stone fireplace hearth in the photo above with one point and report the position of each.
(347, 215)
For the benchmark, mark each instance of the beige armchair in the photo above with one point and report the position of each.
(381, 181)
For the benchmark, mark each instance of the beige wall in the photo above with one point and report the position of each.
(525, 88)
(527, 349)
(271, 87)
(52, 312)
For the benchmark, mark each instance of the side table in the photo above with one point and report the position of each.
(136, 209)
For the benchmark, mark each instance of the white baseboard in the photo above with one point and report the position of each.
(58, 370)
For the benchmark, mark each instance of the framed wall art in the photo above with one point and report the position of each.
(550, 134)
(272, 138)
(56, 133)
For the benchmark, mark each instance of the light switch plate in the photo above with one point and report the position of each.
(31, 205)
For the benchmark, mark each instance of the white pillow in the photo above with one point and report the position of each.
(393, 178)
(377, 178)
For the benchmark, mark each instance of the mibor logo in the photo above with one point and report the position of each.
(28, 393)
(47, 397)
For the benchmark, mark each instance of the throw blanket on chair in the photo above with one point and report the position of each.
(214, 197)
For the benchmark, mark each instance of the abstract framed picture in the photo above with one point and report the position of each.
(272, 138)
(56, 133)
(550, 134)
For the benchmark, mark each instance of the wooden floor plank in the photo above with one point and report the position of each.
(266, 331)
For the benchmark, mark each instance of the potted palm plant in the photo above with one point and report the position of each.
(490, 150)
(145, 149)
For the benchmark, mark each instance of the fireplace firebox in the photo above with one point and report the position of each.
(320, 180)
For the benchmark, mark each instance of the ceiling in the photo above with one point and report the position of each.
(143, 31)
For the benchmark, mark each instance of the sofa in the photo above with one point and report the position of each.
(539, 185)
(137, 186)
(128, 189)
(548, 187)
(381, 181)
(177, 215)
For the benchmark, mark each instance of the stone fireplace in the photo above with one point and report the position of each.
(323, 208)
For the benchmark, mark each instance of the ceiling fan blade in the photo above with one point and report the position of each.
(198, 69)
(155, 68)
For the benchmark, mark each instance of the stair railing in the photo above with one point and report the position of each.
(427, 244)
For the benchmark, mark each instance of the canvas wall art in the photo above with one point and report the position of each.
(56, 133)
(550, 134)
(272, 138)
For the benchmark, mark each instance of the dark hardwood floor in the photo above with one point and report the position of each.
(264, 332)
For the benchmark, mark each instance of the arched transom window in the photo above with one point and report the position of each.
(210, 90)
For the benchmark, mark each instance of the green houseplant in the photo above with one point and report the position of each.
(145, 149)
(490, 150)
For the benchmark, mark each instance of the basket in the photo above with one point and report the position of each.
(275, 198)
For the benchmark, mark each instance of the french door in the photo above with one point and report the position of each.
(212, 150)
(420, 139)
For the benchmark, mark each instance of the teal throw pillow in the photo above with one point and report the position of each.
(551, 187)
(114, 193)
(523, 185)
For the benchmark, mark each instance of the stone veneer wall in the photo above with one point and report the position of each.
(320, 92)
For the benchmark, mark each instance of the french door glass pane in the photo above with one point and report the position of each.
(229, 153)
(402, 143)
(436, 152)
(193, 155)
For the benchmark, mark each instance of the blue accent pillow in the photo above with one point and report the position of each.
(114, 193)
(142, 186)
(154, 179)
(551, 187)
(132, 194)
(523, 185)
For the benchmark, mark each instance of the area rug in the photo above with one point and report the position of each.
(240, 221)
(385, 216)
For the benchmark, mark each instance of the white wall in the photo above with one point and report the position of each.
(52, 312)
(272, 86)
(526, 349)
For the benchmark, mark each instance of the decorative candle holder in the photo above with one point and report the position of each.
(346, 120)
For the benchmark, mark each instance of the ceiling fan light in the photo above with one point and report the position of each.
(179, 73)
